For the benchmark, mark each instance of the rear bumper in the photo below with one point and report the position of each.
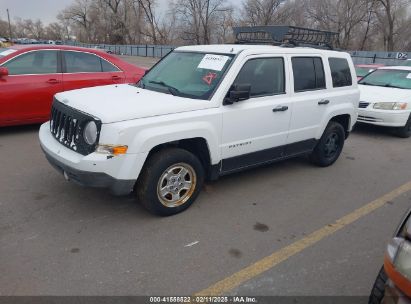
(91, 179)
(383, 118)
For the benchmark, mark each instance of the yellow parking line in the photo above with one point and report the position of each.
(285, 253)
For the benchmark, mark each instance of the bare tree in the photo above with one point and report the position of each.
(198, 18)
(391, 14)
(261, 12)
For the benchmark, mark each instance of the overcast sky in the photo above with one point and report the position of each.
(45, 10)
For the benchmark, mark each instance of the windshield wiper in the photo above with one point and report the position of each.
(174, 91)
(368, 84)
(393, 86)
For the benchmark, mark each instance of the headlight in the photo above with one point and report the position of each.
(390, 106)
(90, 133)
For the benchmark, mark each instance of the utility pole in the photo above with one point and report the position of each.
(8, 17)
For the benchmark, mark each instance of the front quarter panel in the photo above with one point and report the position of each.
(142, 135)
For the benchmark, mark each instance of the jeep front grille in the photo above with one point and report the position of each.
(67, 125)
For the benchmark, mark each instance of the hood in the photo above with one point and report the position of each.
(375, 94)
(114, 103)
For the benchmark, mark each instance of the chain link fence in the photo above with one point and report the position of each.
(386, 58)
(159, 51)
(143, 50)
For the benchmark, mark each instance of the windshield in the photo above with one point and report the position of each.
(361, 72)
(388, 78)
(190, 75)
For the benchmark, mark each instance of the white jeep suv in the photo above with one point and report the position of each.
(200, 113)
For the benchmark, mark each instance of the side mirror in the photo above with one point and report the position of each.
(4, 72)
(238, 92)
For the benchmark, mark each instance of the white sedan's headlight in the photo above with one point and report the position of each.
(90, 133)
(390, 106)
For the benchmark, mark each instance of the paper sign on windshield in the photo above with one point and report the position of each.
(213, 62)
(7, 52)
(409, 76)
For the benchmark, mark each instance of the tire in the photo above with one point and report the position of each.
(330, 146)
(378, 290)
(405, 132)
(170, 181)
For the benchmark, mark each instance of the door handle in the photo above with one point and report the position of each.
(280, 109)
(323, 102)
(53, 81)
(116, 77)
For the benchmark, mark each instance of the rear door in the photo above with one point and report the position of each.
(310, 99)
(27, 93)
(82, 69)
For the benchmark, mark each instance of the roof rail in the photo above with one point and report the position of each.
(287, 36)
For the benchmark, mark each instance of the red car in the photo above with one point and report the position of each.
(31, 75)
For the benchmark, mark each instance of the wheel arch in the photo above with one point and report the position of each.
(343, 115)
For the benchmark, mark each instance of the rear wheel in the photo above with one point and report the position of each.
(170, 181)
(405, 132)
(329, 147)
(378, 290)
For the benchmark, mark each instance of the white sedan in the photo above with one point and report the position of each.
(386, 99)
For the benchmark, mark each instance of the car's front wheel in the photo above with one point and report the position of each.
(170, 181)
(330, 146)
(405, 132)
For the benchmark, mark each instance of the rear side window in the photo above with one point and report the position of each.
(266, 76)
(34, 63)
(308, 74)
(340, 72)
(78, 62)
(108, 67)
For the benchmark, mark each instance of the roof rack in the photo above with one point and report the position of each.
(287, 36)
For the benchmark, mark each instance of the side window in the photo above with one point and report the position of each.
(78, 62)
(340, 72)
(108, 67)
(37, 62)
(308, 74)
(266, 76)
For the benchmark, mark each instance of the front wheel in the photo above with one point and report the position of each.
(170, 181)
(330, 146)
(405, 132)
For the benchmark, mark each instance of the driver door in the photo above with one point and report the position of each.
(255, 130)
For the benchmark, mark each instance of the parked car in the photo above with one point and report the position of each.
(386, 99)
(364, 69)
(203, 112)
(4, 42)
(393, 283)
(31, 75)
(98, 47)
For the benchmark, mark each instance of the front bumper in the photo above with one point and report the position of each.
(393, 295)
(118, 174)
(383, 118)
